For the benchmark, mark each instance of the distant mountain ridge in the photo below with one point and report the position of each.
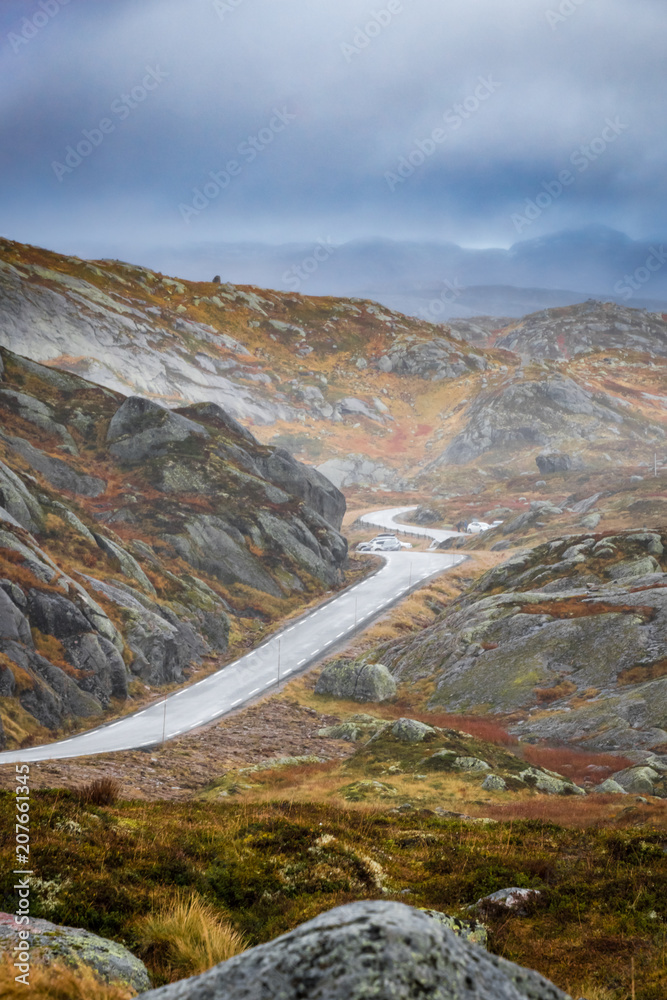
(369, 396)
(438, 281)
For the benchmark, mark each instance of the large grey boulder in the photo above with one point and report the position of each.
(411, 731)
(141, 429)
(610, 787)
(356, 681)
(379, 950)
(112, 962)
(305, 482)
(550, 463)
(638, 780)
(549, 784)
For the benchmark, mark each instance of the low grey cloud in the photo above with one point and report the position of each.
(367, 86)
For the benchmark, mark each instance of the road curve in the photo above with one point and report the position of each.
(387, 519)
(285, 654)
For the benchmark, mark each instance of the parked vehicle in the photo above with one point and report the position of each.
(386, 545)
(475, 527)
(383, 543)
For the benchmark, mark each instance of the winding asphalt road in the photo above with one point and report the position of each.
(388, 519)
(289, 652)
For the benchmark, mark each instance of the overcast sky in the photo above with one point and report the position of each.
(326, 112)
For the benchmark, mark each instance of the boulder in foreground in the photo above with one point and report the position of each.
(49, 943)
(356, 681)
(379, 950)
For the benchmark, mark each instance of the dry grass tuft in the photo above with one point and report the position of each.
(58, 982)
(186, 938)
(100, 792)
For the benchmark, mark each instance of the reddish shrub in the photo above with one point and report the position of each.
(482, 727)
(576, 764)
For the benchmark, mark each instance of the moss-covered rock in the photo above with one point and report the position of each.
(371, 949)
(356, 680)
(49, 942)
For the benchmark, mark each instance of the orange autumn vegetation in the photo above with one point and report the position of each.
(576, 764)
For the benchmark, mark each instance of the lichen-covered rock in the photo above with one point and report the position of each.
(441, 760)
(112, 962)
(514, 899)
(384, 950)
(470, 764)
(356, 681)
(142, 429)
(358, 791)
(357, 727)
(634, 567)
(610, 787)
(411, 731)
(494, 783)
(550, 784)
(470, 930)
(638, 780)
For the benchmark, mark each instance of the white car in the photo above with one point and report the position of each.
(475, 527)
(385, 545)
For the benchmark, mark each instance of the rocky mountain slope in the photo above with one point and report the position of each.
(568, 639)
(562, 333)
(581, 329)
(137, 541)
(374, 397)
